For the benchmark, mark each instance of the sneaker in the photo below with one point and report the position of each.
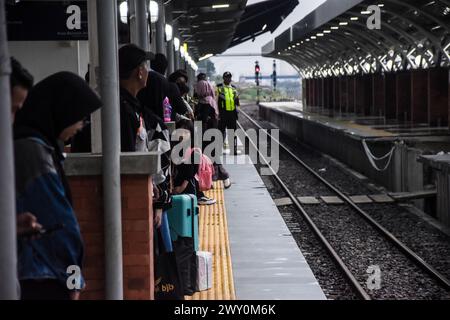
(205, 201)
(227, 183)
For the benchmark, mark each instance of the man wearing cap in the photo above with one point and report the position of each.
(134, 65)
(228, 103)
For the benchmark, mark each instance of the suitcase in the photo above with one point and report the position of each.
(204, 271)
(165, 233)
(183, 218)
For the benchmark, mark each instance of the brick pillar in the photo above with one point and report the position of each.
(137, 228)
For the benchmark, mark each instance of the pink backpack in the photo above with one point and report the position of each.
(205, 171)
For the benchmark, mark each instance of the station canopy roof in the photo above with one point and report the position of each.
(212, 30)
(335, 39)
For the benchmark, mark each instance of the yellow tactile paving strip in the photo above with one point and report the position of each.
(213, 233)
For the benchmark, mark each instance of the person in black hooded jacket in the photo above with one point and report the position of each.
(53, 112)
(158, 88)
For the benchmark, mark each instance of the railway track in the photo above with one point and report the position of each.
(355, 280)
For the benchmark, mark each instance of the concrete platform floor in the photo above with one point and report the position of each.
(267, 263)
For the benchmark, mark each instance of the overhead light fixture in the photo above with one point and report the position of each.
(343, 23)
(123, 9)
(176, 43)
(169, 32)
(366, 12)
(381, 5)
(313, 38)
(354, 18)
(264, 27)
(220, 6)
(326, 31)
(206, 56)
(334, 28)
(154, 11)
(319, 34)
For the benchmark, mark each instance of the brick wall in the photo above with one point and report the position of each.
(137, 230)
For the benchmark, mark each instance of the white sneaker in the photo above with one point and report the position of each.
(227, 183)
(205, 201)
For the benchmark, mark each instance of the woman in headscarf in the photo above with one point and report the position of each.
(207, 112)
(55, 110)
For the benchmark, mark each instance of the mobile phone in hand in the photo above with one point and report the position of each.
(44, 231)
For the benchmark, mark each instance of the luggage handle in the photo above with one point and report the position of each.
(192, 220)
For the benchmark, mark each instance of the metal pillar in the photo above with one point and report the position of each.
(177, 60)
(8, 255)
(139, 24)
(96, 117)
(109, 88)
(170, 46)
(161, 29)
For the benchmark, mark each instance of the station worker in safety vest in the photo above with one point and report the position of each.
(228, 101)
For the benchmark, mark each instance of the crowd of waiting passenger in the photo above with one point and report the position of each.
(55, 113)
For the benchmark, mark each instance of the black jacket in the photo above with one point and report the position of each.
(130, 111)
(158, 88)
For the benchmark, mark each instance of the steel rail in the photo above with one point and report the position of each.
(400, 245)
(348, 274)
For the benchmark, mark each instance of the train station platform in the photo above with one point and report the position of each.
(387, 154)
(255, 256)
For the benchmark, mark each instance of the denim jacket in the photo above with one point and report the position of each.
(40, 191)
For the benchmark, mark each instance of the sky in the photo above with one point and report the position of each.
(240, 66)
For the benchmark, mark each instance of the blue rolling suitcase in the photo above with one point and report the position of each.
(183, 221)
(183, 218)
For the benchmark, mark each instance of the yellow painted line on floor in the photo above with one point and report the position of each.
(213, 234)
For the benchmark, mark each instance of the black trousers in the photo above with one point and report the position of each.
(228, 120)
(50, 289)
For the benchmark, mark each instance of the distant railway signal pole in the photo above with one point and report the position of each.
(257, 72)
(274, 75)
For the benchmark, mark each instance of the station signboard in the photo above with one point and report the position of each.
(47, 21)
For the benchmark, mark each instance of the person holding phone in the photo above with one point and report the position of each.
(55, 110)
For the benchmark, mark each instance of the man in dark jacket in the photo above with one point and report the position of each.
(141, 130)
(134, 65)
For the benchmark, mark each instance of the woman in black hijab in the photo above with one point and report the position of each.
(56, 109)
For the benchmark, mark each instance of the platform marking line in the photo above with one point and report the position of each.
(213, 236)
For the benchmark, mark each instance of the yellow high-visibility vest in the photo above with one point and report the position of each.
(227, 97)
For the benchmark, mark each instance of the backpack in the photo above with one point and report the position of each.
(205, 171)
